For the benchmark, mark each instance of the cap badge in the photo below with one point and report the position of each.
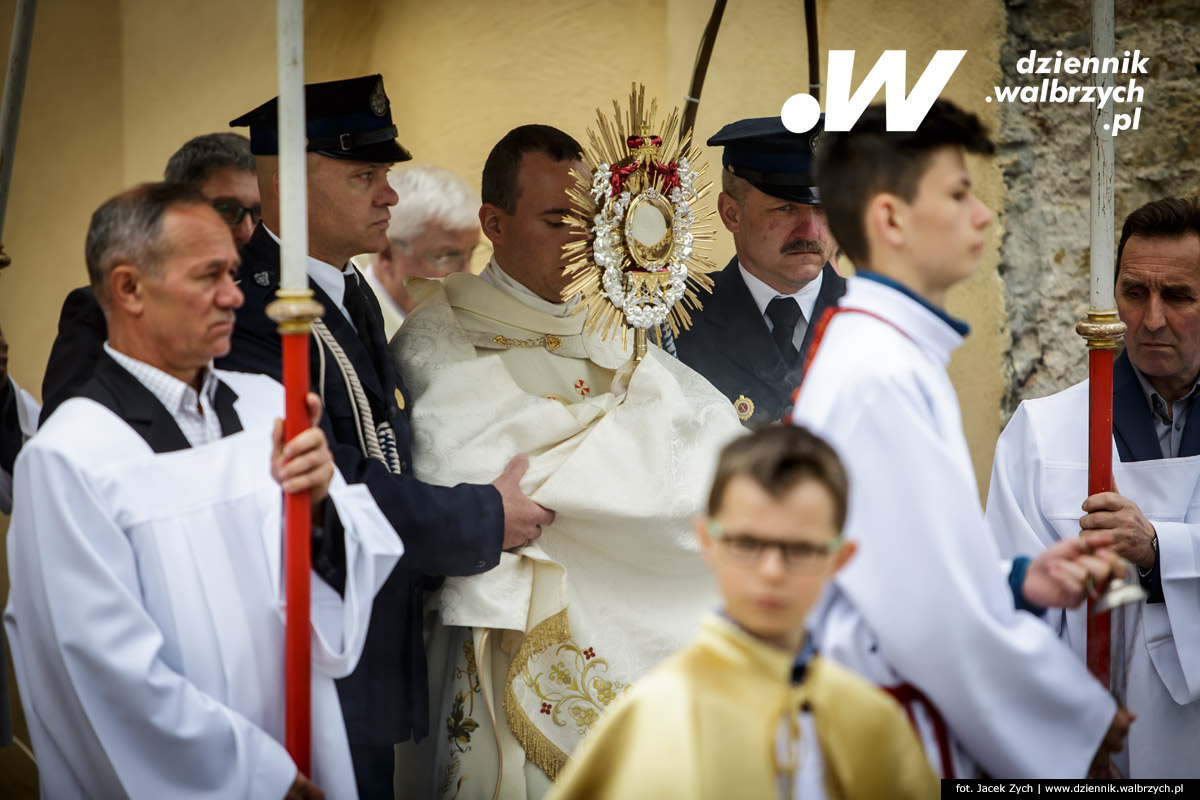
(744, 407)
(379, 99)
(815, 139)
(262, 278)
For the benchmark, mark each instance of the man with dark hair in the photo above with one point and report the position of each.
(924, 610)
(145, 614)
(1040, 471)
(751, 336)
(459, 530)
(499, 364)
(219, 165)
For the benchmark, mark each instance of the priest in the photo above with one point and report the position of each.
(146, 612)
(536, 649)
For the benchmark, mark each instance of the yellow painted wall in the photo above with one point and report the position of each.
(115, 86)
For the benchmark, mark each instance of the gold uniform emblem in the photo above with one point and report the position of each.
(744, 407)
(399, 400)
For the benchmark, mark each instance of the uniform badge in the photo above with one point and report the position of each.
(399, 400)
(262, 278)
(744, 407)
(379, 99)
(815, 140)
(582, 387)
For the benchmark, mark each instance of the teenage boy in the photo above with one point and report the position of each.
(735, 714)
(925, 612)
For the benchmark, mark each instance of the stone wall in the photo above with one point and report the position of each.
(1044, 155)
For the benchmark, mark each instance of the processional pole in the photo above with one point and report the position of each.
(1101, 328)
(14, 93)
(294, 310)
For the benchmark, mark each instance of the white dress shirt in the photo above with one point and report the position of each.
(806, 298)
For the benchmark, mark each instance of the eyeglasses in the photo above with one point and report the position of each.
(445, 262)
(233, 212)
(747, 550)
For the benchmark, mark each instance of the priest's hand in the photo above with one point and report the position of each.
(305, 463)
(304, 789)
(523, 518)
(1133, 535)
(1058, 577)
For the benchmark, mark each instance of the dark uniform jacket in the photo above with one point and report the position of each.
(446, 530)
(729, 343)
(76, 351)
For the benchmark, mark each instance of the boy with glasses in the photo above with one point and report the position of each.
(746, 710)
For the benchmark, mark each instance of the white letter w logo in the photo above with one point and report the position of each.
(801, 112)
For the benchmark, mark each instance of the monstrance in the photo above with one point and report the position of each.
(636, 204)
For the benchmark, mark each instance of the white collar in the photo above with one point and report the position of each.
(764, 294)
(331, 279)
(173, 393)
(926, 329)
(519, 291)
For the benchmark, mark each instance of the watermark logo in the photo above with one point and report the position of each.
(1052, 91)
(801, 112)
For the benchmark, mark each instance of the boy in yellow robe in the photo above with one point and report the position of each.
(739, 713)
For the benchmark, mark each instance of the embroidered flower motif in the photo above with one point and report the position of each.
(459, 726)
(469, 652)
(575, 685)
(604, 691)
(584, 717)
(560, 674)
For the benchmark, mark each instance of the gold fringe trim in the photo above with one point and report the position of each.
(538, 748)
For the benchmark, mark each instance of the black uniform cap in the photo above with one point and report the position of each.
(773, 159)
(349, 119)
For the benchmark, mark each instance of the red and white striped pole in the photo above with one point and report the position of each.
(1102, 327)
(294, 311)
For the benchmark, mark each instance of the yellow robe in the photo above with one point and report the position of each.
(704, 725)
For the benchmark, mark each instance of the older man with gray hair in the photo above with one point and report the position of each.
(145, 615)
(433, 233)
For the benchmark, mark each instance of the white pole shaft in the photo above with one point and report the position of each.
(1102, 164)
(293, 195)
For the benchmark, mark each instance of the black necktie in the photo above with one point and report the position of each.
(784, 313)
(360, 314)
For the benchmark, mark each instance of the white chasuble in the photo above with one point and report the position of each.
(536, 649)
(924, 602)
(146, 615)
(1039, 482)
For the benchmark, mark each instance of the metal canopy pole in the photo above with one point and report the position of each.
(294, 311)
(14, 93)
(1102, 329)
